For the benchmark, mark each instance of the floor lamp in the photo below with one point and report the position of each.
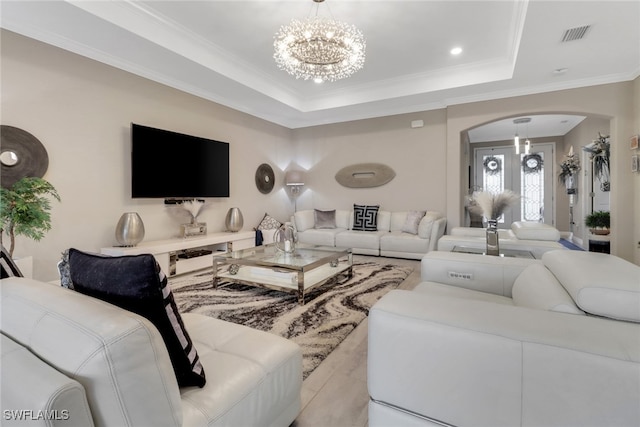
(295, 180)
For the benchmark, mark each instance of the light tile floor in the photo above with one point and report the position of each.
(335, 394)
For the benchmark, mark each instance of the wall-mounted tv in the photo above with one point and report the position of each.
(167, 164)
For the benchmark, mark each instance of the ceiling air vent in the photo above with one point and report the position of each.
(575, 33)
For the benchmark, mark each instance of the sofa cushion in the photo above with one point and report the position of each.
(413, 221)
(324, 219)
(304, 220)
(137, 284)
(365, 218)
(322, 237)
(600, 284)
(398, 241)
(529, 230)
(359, 239)
(537, 288)
(258, 376)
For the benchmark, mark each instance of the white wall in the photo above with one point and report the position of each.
(81, 111)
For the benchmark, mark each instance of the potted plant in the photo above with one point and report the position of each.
(24, 209)
(598, 222)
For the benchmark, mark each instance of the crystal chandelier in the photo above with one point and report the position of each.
(319, 48)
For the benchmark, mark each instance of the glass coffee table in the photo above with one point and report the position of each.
(298, 272)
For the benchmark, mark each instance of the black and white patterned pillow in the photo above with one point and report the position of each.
(7, 266)
(64, 271)
(365, 218)
(269, 223)
(136, 283)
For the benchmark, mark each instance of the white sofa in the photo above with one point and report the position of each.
(86, 362)
(492, 341)
(534, 237)
(388, 240)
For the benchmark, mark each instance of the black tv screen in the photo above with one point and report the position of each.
(167, 164)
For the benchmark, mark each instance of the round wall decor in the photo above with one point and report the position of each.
(22, 154)
(265, 179)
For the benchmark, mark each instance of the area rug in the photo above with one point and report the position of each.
(331, 312)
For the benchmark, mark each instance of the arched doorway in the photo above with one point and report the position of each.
(563, 132)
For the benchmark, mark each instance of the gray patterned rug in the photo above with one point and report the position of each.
(331, 312)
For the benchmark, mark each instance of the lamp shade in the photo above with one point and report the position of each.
(294, 177)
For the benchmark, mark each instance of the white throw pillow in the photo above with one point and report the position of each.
(413, 221)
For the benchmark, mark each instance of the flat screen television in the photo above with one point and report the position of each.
(167, 164)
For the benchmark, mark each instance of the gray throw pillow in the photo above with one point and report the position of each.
(413, 221)
(324, 219)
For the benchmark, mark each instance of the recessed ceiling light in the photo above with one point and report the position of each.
(318, 80)
(456, 51)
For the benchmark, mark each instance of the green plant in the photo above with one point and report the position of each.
(598, 219)
(24, 209)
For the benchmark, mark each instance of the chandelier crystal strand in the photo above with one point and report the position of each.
(320, 49)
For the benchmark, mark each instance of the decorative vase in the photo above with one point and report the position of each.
(285, 239)
(493, 247)
(570, 184)
(130, 229)
(234, 220)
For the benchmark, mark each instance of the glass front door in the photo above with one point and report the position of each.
(500, 168)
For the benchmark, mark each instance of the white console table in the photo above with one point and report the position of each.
(173, 255)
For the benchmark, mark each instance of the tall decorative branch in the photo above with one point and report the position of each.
(193, 207)
(493, 206)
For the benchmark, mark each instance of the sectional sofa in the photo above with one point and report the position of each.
(495, 341)
(395, 234)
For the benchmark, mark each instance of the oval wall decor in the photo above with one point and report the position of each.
(365, 175)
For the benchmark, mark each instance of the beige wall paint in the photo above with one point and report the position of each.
(81, 110)
(415, 154)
